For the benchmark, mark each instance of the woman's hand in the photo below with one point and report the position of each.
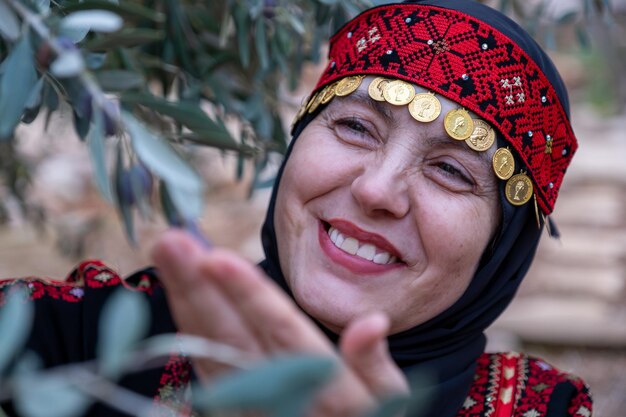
(218, 295)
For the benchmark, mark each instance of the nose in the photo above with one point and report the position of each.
(381, 189)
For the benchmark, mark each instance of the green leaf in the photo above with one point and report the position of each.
(17, 83)
(241, 23)
(189, 115)
(127, 37)
(282, 386)
(34, 103)
(119, 80)
(125, 8)
(583, 37)
(95, 60)
(93, 20)
(123, 206)
(9, 25)
(568, 18)
(123, 323)
(74, 34)
(38, 394)
(260, 41)
(69, 64)
(184, 184)
(16, 318)
(219, 139)
(97, 152)
(43, 6)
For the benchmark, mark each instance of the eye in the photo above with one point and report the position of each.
(452, 174)
(353, 124)
(355, 131)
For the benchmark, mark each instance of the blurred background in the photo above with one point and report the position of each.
(571, 310)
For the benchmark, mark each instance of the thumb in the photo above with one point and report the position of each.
(364, 349)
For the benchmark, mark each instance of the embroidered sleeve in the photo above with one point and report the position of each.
(515, 385)
(67, 314)
(582, 404)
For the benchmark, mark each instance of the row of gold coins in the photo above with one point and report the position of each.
(426, 108)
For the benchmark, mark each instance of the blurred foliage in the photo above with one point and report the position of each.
(283, 386)
(152, 77)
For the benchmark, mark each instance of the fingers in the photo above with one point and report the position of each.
(364, 348)
(267, 311)
(197, 305)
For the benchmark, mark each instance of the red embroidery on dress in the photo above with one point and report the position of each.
(171, 399)
(88, 274)
(533, 384)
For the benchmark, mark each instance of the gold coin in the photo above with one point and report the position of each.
(503, 163)
(425, 107)
(315, 102)
(300, 113)
(459, 124)
(328, 93)
(519, 189)
(482, 137)
(376, 88)
(398, 92)
(348, 85)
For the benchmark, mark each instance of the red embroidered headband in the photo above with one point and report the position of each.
(469, 62)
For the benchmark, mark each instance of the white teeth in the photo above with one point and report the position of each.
(381, 258)
(350, 245)
(339, 240)
(365, 251)
(333, 235)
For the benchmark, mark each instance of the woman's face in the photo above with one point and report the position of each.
(378, 212)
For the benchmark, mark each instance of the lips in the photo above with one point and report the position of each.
(356, 249)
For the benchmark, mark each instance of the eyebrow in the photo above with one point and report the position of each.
(484, 157)
(362, 97)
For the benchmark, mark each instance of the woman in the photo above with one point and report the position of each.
(404, 218)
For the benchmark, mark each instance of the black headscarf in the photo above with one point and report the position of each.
(447, 346)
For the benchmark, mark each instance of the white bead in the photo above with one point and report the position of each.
(349, 35)
(530, 133)
(465, 76)
(430, 42)
(544, 99)
(389, 52)
(408, 20)
(551, 185)
(485, 46)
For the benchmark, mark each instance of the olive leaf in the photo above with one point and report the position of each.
(16, 85)
(281, 387)
(92, 20)
(123, 323)
(41, 394)
(97, 152)
(16, 317)
(9, 25)
(185, 186)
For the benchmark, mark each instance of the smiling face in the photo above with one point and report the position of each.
(378, 212)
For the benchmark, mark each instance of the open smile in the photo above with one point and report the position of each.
(356, 249)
